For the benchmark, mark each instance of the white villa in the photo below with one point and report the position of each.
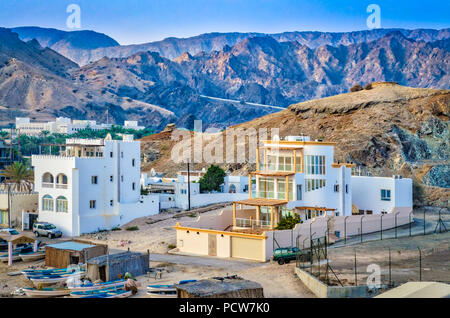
(63, 125)
(92, 184)
(298, 176)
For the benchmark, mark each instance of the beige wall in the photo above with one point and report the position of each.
(27, 202)
(261, 247)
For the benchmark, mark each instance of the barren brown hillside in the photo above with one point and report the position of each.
(389, 129)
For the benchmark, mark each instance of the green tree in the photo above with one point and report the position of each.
(288, 222)
(19, 177)
(212, 179)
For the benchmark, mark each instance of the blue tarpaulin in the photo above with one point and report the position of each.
(74, 246)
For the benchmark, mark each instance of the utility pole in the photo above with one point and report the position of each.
(9, 205)
(189, 186)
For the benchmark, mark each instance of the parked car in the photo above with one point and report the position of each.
(285, 255)
(10, 231)
(46, 229)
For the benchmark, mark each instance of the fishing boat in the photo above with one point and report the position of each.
(99, 292)
(32, 256)
(162, 291)
(15, 257)
(120, 293)
(46, 292)
(43, 272)
(51, 279)
(120, 283)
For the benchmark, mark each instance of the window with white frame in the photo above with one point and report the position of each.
(61, 204)
(47, 203)
(314, 164)
(385, 195)
(314, 184)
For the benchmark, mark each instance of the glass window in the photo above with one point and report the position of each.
(92, 204)
(47, 203)
(385, 195)
(61, 204)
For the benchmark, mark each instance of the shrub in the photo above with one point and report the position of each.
(133, 228)
(368, 86)
(116, 229)
(288, 222)
(171, 246)
(356, 88)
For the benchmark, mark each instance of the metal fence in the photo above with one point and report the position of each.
(337, 266)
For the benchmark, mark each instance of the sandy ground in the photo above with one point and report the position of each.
(156, 234)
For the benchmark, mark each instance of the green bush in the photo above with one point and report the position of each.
(116, 229)
(171, 246)
(133, 228)
(288, 222)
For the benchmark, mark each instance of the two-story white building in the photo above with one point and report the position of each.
(299, 176)
(93, 184)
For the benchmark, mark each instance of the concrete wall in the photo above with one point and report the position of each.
(204, 199)
(193, 243)
(321, 290)
(20, 201)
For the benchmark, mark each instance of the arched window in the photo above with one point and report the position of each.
(232, 188)
(61, 204)
(47, 180)
(61, 181)
(47, 203)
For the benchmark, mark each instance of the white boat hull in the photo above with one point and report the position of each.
(97, 287)
(46, 293)
(14, 258)
(32, 257)
(63, 278)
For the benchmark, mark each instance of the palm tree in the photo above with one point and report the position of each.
(18, 177)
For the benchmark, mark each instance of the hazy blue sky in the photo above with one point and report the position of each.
(138, 21)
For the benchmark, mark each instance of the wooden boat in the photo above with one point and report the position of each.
(32, 256)
(120, 283)
(49, 272)
(46, 292)
(162, 291)
(15, 257)
(51, 279)
(120, 293)
(112, 291)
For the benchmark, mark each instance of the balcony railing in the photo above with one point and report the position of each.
(279, 167)
(61, 186)
(271, 195)
(48, 185)
(249, 223)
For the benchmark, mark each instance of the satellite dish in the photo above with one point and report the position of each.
(152, 172)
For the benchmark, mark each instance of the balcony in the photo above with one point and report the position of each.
(249, 223)
(48, 185)
(61, 186)
(280, 195)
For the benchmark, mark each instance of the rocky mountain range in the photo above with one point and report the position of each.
(386, 130)
(270, 70)
(84, 47)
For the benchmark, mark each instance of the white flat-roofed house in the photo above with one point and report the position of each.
(93, 184)
(374, 195)
(132, 124)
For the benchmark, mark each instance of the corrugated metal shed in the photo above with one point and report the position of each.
(226, 288)
(74, 246)
(109, 267)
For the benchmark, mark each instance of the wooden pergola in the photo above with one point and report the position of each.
(17, 239)
(258, 203)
